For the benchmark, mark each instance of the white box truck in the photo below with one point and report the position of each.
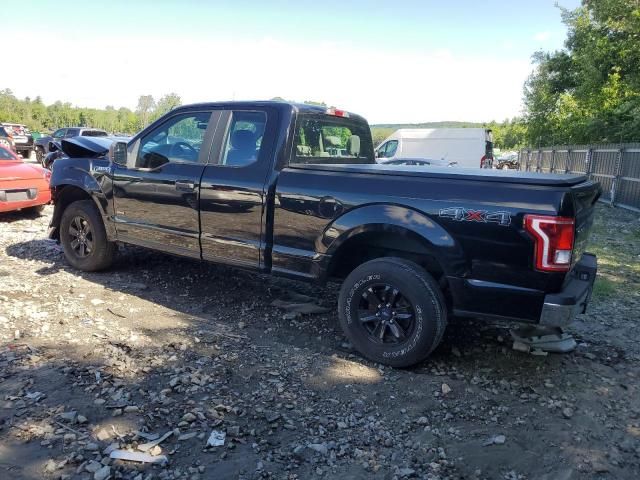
(460, 147)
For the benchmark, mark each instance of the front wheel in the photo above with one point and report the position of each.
(392, 311)
(84, 238)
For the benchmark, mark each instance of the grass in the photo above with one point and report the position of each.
(603, 288)
(614, 239)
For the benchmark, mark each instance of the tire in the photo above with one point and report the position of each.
(418, 311)
(40, 156)
(96, 252)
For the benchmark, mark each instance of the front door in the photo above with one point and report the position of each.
(156, 195)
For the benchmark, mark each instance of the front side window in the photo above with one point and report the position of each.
(72, 132)
(59, 133)
(323, 139)
(244, 138)
(178, 139)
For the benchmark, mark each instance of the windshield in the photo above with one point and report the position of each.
(326, 139)
(6, 155)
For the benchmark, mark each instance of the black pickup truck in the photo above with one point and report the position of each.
(294, 190)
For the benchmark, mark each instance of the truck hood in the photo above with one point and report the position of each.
(478, 174)
(77, 147)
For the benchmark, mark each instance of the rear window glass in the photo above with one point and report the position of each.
(94, 133)
(323, 139)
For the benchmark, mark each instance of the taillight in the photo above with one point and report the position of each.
(553, 241)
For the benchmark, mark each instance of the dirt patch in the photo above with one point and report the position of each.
(158, 344)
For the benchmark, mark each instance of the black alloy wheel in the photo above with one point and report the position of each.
(387, 315)
(393, 311)
(81, 236)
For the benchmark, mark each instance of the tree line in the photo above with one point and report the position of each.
(40, 117)
(588, 92)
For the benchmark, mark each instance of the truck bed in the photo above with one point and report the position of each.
(452, 173)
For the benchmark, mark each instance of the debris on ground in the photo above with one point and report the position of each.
(216, 439)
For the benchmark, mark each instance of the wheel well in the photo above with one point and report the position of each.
(369, 245)
(63, 196)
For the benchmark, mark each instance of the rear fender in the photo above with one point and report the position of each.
(398, 220)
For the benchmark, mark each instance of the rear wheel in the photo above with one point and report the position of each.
(392, 311)
(84, 238)
(40, 156)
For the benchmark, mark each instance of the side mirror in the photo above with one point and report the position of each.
(378, 153)
(118, 153)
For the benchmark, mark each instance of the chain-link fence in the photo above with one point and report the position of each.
(616, 167)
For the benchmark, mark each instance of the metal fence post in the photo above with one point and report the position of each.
(587, 162)
(614, 182)
(552, 165)
(538, 160)
(567, 161)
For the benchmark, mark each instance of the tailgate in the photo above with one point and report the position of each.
(584, 196)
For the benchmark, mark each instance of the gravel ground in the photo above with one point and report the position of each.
(161, 345)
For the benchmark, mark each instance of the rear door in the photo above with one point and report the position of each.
(232, 191)
(156, 194)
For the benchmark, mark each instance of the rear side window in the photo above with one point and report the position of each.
(323, 139)
(244, 138)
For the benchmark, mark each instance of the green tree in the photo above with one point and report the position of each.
(166, 103)
(146, 104)
(590, 91)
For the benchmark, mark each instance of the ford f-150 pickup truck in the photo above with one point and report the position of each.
(295, 190)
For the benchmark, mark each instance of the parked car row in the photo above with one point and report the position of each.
(448, 147)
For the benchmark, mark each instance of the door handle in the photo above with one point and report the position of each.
(185, 185)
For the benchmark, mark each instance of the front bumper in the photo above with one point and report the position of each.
(559, 309)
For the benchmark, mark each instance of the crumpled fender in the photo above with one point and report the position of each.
(86, 174)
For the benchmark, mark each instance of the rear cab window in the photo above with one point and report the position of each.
(324, 139)
(94, 133)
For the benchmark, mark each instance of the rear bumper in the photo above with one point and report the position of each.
(559, 309)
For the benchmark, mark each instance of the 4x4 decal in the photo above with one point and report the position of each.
(462, 214)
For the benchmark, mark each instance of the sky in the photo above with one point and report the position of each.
(401, 61)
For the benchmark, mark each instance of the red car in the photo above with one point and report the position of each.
(22, 185)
